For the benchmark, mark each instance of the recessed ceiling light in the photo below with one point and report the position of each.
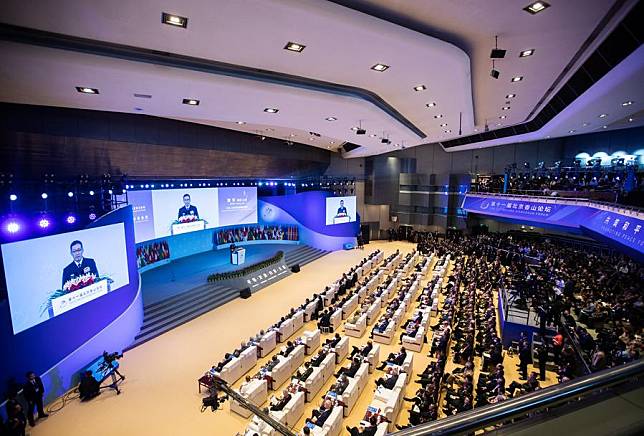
(174, 20)
(142, 95)
(271, 110)
(373, 135)
(503, 117)
(499, 124)
(571, 131)
(292, 135)
(241, 123)
(603, 115)
(420, 88)
(86, 90)
(510, 96)
(432, 104)
(268, 129)
(444, 125)
(332, 142)
(630, 120)
(438, 116)
(380, 67)
(505, 108)
(604, 127)
(627, 103)
(517, 79)
(354, 128)
(294, 46)
(448, 131)
(191, 101)
(331, 118)
(312, 138)
(526, 53)
(476, 130)
(586, 124)
(536, 7)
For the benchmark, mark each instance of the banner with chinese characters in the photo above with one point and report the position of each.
(614, 226)
(622, 228)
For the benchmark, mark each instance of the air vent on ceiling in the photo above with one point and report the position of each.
(143, 95)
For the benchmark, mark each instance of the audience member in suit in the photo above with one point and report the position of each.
(281, 402)
(351, 370)
(389, 380)
(394, 359)
(33, 392)
(322, 414)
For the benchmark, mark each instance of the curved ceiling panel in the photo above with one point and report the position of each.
(341, 47)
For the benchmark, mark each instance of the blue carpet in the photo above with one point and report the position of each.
(189, 272)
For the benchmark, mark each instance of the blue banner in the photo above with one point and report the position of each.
(621, 228)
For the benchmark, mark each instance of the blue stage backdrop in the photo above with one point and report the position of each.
(615, 226)
(306, 210)
(58, 348)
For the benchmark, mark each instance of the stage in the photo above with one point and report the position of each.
(181, 275)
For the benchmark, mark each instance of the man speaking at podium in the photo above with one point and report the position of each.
(187, 209)
(342, 210)
(80, 266)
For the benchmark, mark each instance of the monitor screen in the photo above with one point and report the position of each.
(54, 274)
(167, 212)
(340, 210)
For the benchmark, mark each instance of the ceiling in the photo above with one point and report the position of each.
(447, 51)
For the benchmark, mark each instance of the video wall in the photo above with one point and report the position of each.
(340, 210)
(166, 212)
(49, 276)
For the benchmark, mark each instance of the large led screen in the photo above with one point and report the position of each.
(51, 275)
(167, 212)
(340, 210)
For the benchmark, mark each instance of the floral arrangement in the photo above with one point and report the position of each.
(71, 286)
(249, 269)
(79, 282)
(187, 219)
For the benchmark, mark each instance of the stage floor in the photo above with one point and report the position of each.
(183, 274)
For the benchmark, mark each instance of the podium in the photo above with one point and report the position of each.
(238, 256)
(341, 219)
(179, 228)
(81, 296)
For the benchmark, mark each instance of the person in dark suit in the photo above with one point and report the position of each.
(80, 265)
(89, 387)
(388, 382)
(322, 414)
(342, 210)
(187, 209)
(351, 370)
(33, 391)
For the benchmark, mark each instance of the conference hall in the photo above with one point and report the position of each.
(321, 217)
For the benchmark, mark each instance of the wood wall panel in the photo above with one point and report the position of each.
(30, 155)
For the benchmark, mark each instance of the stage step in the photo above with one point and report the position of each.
(303, 255)
(170, 313)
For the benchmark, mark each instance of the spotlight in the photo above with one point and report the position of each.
(497, 53)
(91, 216)
(44, 196)
(91, 192)
(536, 7)
(495, 73)
(71, 219)
(86, 90)
(174, 20)
(43, 223)
(361, 132)
(13, 227)
(70, 194)
(13, 197)
(190, 101)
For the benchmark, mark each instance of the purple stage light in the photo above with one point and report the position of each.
(13, 227)
(71, 219)
(44, 223)
(92, 216)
